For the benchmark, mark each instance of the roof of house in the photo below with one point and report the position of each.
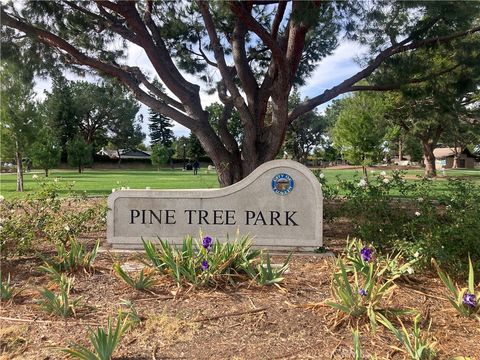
(450, 151)
(125, 153)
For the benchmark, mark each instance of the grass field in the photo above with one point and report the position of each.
(101, 182)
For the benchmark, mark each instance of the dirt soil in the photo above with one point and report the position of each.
(246, 321)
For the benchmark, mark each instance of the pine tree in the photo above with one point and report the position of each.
(160, 132)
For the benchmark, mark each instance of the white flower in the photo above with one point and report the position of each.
(383, 173)
(128, 187)
(56, 179)
(2, 198)
(417, 213)
(123, 188)
(362, 183)
(67, 228)
(321, 176)
(420, 199)
(410, 270)
(147, 188)
(113, 190)
(372, 171)
(448, 207)
(1, 228)
(34, 177)
(416, 255)
(386, 181)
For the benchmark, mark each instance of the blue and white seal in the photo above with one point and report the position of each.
(282, 184)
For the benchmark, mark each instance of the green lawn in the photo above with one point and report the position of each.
(101, 182)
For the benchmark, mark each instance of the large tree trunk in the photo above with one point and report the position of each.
(429, 159)
(46, 172)
(18, 158)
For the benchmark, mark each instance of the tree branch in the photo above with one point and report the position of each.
(278, 18)
(240, 59)
(347, 84)
(123, 76)
(253, 25)
(239, 102)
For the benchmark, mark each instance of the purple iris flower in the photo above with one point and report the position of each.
(469, 300)
(362, 292)
(366, 254)
(207, 242)
(204, 265)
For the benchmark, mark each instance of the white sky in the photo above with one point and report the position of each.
(331, 71)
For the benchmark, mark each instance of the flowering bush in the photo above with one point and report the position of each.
(407, 217)
(44, 216)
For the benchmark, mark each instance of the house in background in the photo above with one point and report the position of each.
(445, 157)
(132, 154)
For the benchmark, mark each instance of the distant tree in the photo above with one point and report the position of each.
(304, 133)
(221, 117)
(360, 129)
(79, 153)
(160, 129)
(17, 112)
(105, 111)
(194, 147)
(59, 108)
(160, 155)
(45, 151)
(126, 134)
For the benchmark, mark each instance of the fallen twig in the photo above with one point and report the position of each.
(237, 313)
(43, 321)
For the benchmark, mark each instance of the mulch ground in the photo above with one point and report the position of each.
(245, 321)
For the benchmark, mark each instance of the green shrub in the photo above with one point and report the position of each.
(44, 217)
(104, 341)
(407, 217)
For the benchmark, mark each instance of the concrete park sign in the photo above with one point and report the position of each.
(280, 204)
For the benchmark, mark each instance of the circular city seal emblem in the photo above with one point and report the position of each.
(282, 184)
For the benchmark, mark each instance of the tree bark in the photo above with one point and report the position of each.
(80, 168)
(46, 172)
(18, 158)
(429, 159)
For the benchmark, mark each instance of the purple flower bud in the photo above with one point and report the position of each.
(204, 265)
(207, 242)
(362, 292)
(469, 300)
(366, 254)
